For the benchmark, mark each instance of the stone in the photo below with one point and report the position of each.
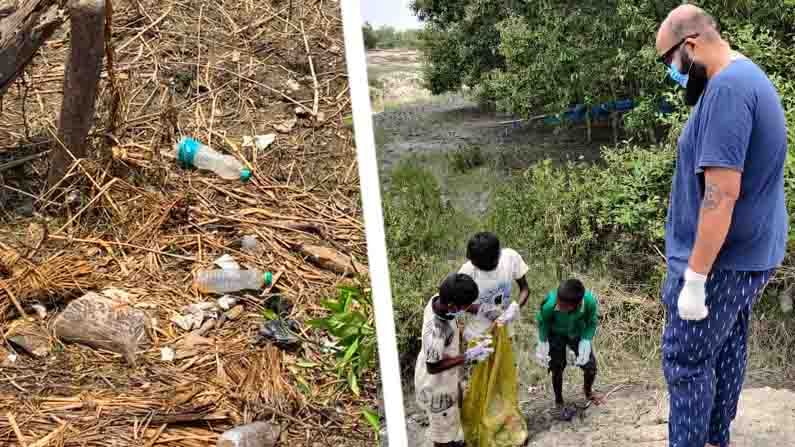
(31, 338)
(256, 434)
(286, 126)
(100, 322)
(7, 359)
(331, 259)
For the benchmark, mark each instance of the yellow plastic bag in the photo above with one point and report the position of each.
(490, 415)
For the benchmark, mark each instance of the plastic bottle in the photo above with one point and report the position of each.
(192, 153)
(229, 281)
(256, 434)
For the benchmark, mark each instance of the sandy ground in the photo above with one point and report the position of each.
(640, 417)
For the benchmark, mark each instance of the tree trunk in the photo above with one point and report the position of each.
(614, 120)
(81, 79)
(24, 27)
(588, 124)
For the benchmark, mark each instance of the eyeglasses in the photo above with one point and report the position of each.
(665, 59)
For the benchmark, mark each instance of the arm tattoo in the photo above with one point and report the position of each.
(713, 196)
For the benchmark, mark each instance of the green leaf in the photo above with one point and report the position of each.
(320, 323)
(366, 354)
(269, 315)
(333, 305)
(351, 351)
(372, 418)
(353, 381)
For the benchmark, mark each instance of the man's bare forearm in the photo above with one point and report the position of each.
(445, 364)
(713, 226)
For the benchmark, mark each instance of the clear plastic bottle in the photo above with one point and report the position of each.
(229, 281)
(195, 154)
(256, 434)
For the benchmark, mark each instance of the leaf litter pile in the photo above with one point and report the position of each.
(126, 235)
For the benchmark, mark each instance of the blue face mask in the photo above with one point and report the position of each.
(679, 78)
(453, 315)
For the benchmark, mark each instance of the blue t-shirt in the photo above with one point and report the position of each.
(738, 123)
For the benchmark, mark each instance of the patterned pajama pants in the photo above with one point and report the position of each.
(704, 361)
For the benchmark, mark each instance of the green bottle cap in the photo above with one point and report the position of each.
(245, 175)
(187, 151)
(268, 279)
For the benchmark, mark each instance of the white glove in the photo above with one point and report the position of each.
(509, 315)
(692, 298)
(542, 354)
(480, 352)
(584, 355)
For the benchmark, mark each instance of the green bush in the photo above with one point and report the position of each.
(351, 323)
(387, 37)
(465, 159)
(584, 216)
(421, 231)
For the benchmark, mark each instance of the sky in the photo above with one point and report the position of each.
(395, 13)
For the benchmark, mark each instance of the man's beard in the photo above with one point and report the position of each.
(696, 80)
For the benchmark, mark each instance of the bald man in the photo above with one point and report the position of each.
(726, 228)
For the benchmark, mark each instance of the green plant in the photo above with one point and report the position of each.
(372, 418)
(421, 234)
(351, 324)
(466, 158)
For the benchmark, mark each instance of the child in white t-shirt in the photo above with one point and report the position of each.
(437, 375)
(494, 270)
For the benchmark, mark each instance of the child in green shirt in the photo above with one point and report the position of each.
(568, 318)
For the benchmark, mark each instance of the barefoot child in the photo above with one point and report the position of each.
(437, 375)
(568, 318)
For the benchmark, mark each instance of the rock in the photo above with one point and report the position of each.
(286, 126)
(226, 302)
(227, 262)
(167, 354)
(259, 142)
(235, 312)
(40, 310)
(31, 338)
(188, 322)
(331, 259)
(7, 359)
(257, 434)
(99, 322)
(293, 85)
(193, 315)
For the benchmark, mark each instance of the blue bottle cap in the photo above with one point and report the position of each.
(245, 175)
(188, 147)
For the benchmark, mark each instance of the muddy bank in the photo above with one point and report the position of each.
(447, 131)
